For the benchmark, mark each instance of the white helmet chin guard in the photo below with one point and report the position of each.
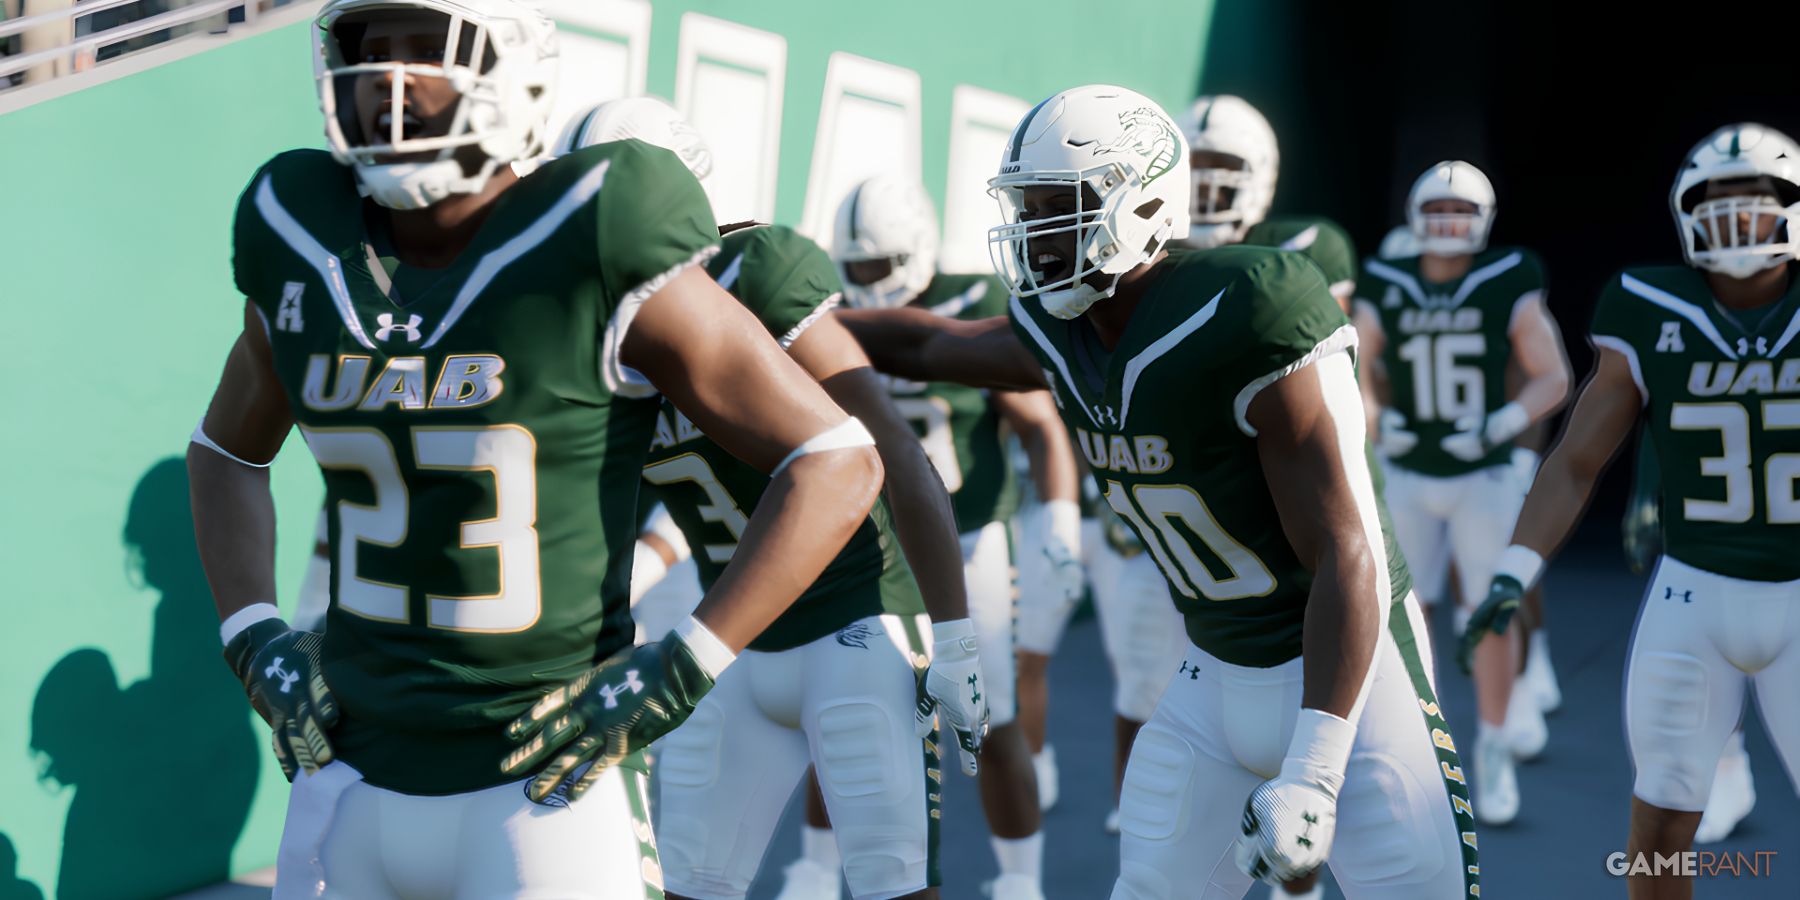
(1451, 234)
(499, 55)
(1226, 202)
(1713, 237)
(886, 217)
(642, 118)
(1126, 165)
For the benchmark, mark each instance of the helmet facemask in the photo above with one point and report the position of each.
(421, 119)
(1219, 211)
(1107, 238)
(1741, 233)
(1452, 233)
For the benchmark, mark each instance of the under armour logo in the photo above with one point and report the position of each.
(974, 688)
(1670, 340)
(288, 679)
(612, 691)
(1686, 596)
(287, 315)
(386, 321)
(1107, 414)
(1192, 672)
(1391, 298)
(1762, 346)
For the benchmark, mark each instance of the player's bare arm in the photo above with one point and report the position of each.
(234, 530)
(1602, 418)
(717, 363)
(922, 513)
(1537, 353)
(1310, 442)
(1033, 417)
(234, 514)
(924, 521)
(915, 344)
(1311, 451)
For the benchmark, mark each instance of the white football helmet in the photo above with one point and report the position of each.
(1226, 203)
(1451, 234)
(1709, 229)
(1111, 143)
(500, 55)
(887, 217)
(645, 118)
(1399, 243)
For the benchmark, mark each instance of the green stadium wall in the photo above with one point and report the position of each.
(129, 764)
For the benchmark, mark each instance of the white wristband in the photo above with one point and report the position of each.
(953, 630)
(235, 623)
(1520, 562)
(1506, 423)
(1320, 750)
(710, 652)
(1062, 518)
(843, 436)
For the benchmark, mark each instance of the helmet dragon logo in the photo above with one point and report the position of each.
(1148, 135)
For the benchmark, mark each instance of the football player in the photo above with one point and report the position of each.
(885, 243)
(1220, 386)
(1235, 165)
(471, 357)
(831, 682)
(1706, 355)
(1445, 325)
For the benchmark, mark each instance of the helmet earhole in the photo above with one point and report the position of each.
(1148, 210)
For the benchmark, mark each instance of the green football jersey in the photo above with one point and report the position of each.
(1161, 422)
(788, 282)
(958, 426)
(1323, 241)
(1447, 347)
(479, 439)
(1722, 408)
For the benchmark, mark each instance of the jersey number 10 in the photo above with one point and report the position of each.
(1153, 510)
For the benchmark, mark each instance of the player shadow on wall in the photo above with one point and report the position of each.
(165, 769)
(12, 887)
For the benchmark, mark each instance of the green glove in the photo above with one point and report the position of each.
(1494, 614)
(608, 713)
(285, 680)
(1643, 533)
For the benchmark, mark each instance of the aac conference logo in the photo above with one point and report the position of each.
(1692, 863)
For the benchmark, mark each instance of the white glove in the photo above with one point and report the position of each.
(1290, 820)
(1393, 440)
(1474, 438)
(1052, 552)
(953, 689)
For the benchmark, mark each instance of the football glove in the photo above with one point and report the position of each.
(1475, 438)
(1494, 615)
(284, 678)
(1290, 820)
(1643, 531)
(953, 689)
(1392, 438)
(606, 714)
